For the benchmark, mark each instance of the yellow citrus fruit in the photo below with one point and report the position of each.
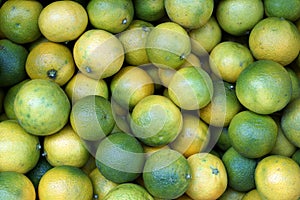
(120, 157)
(288, 9)
(240, 170)
(65, 148)
(166, 174)
(42, 107)
(289, 122)
(228, 59)
(278, 177)
(252, 195)
(98, 54)
(14, 185)
(12, 63)
(134, 40)
(251, 134)
(194, 136)
(8, 101)
(101, 185)
(63, 21)
(149, 10)
(223, 106)
(65, 182)
(19, 150)
(91, 117)
(156, 120)
(264, 87)
(275, 39)
(189, 14)
(81, 86)
(190, 88)
(205, 38)
(127, 191)
(208, 176)
(52, 61)
(130, 85)
(162, 45)
(19, 20)
(282, 146)
(115, 15)
(238, 17)
(231, 194)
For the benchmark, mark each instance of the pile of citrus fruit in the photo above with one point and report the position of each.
(144, 100)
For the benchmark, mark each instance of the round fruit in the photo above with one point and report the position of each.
(166, 174)
(264, 87)
(42, 107)
(149, 10)
(65, 182)
(98, 54)
(275, 172)
(288, 9)
(12, 63)
(63, 21)
(156, 120)
(92, 118)
(120, 157)
(252, 135)
(19, 150)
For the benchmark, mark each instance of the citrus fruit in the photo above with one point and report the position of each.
(149, 10)
(134, 40)
(252, 195)
(282, 146)
(19, 150)
(101, 185)
(115, 15)
(288, 9)
(65, 182)
(166, 174)
(91, 117)
(240, 170)
(228, 59)
(120, 157)
(295, 83)
(251, 134)
(130, 85)
(162, 45)
(65, 148)
(36, 173)
(42, 107)
(14, 185)
(264, 87)
(8, 102)
(98, 54)
(63, 21)
(128, 191)
(289, 122)
(205, 38)
(231, 194)
(296, 156)
(190, 88)
(223, 106)
(212, 168)
(193, 137)
(19, 20)
(50, 60)
(275, 172)
(238, 17)
(275, 39)
(223, 141)
(156, 120)
(81, 86)
(12, 63)
(189, 14)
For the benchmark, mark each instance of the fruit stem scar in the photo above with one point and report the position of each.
(88, 69)
(188, 176)
(182, 56)
(215, 171)
(52, 73)
(124, 21)
(44, 154)
(95, 196)
(38, 146)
